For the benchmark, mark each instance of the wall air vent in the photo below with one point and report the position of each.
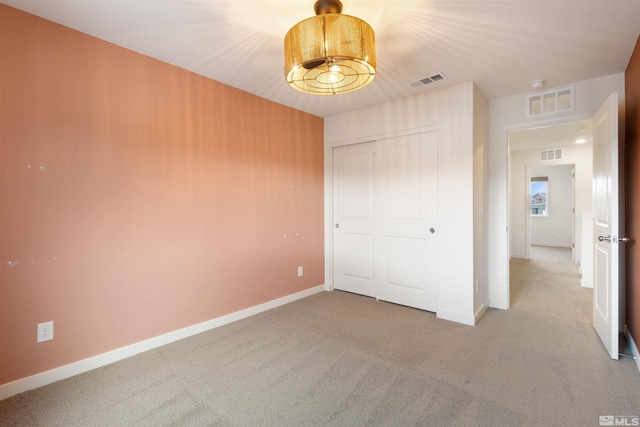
(555, 154)
(428, 80)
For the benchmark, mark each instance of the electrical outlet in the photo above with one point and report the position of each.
(45, 331)
(299, 271)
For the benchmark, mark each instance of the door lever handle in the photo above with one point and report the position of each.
(614, 239)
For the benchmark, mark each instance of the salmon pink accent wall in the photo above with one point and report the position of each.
(632, 189)
(137, 198)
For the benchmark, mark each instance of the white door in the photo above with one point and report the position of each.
(353, 175)
(605, 213)
(384, 205)
(407, 207)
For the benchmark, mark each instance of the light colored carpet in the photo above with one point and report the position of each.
(549, 284)
(547, 253)
(340, 359)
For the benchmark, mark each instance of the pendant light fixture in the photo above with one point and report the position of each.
(330, 53)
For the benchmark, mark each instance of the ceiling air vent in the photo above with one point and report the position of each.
(428, 80)
(551, 154)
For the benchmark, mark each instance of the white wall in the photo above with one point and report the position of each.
(509, 113)
(586, 261)
(450, 111)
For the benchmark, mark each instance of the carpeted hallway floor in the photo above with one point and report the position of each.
(549, 284)
(345, 360)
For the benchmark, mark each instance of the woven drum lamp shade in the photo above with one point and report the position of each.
(330, 53)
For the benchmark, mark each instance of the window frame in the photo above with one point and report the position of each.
(539, 181)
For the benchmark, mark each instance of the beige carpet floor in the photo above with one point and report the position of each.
(340, 359)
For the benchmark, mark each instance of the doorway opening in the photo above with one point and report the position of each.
(549, 217)
(550, 203)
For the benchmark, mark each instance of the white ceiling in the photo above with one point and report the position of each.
(502, 45)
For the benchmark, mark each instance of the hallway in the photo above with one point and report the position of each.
(549, 284)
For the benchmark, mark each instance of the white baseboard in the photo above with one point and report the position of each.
(632, 346)
(480, 312)
(453, 316)
(498, 303)
(586, 283)
(75, 368)
(553, 245)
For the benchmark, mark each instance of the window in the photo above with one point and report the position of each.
(538, 190)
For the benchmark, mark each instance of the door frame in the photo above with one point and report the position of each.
(527, 216)
(549, 121)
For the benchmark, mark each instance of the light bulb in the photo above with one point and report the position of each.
(335, 74)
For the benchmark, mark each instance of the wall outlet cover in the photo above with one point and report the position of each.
(45, 331)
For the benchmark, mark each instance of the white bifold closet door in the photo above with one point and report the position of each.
(385, 208)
